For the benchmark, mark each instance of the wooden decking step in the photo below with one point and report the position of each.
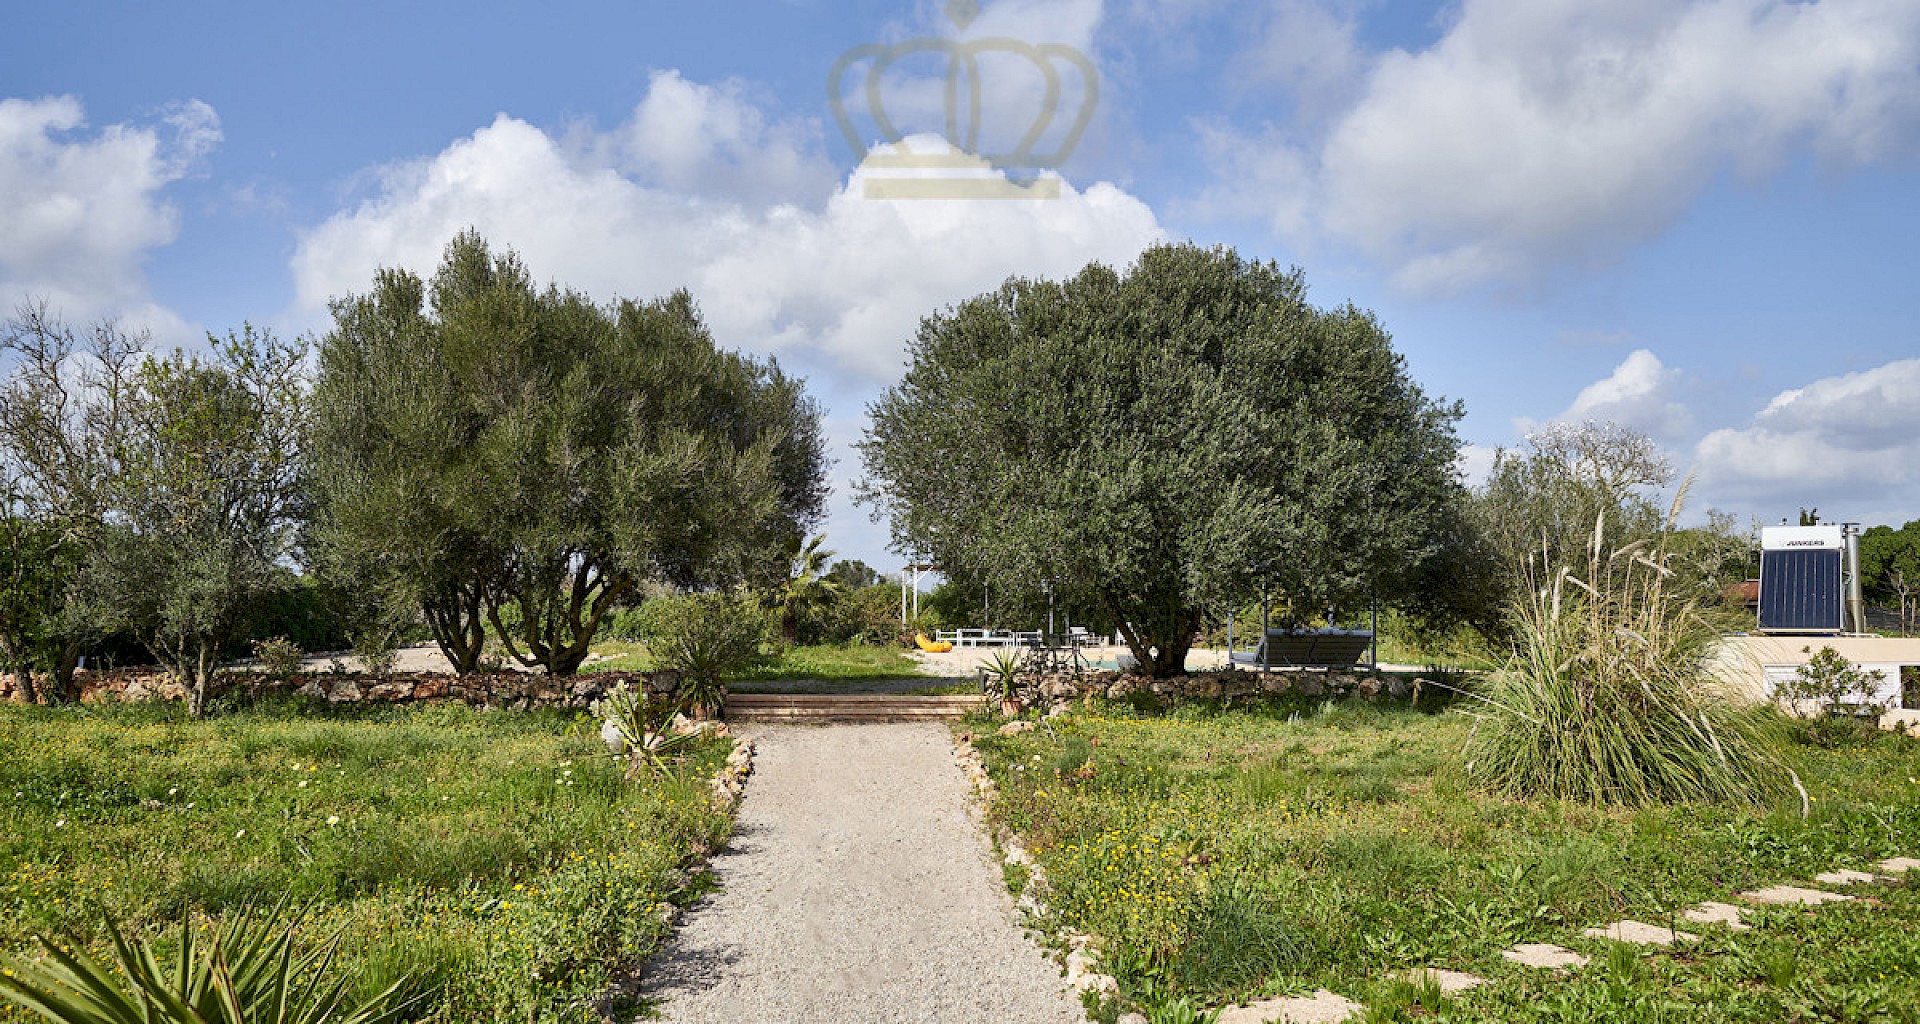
(863, 707)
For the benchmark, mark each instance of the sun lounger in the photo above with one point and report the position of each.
(1309, 648)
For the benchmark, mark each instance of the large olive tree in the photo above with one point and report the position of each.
(1164, 442)
(497, 454)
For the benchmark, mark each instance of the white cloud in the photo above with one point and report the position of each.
(80, 210)
(1639, 393)
(1852, 438)
(829, 275)
(1538, 134)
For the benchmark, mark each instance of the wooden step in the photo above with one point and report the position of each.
(864, 707)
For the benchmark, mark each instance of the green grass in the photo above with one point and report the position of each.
(824, 662)
(498, 855)
(1291, 844)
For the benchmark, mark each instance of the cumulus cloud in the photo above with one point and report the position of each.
(1641, 393)
(1854, 437)
(1539, 134)
(833, 276)
(80, 210)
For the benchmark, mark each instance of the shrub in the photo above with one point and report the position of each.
(378, 648)
(645, 729)
(280, 656)
(1609, 699)
(704, 637)
(1841, 701)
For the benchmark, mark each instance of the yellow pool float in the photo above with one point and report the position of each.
(920, 640)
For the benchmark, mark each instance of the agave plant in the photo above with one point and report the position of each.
(644, 728)
(1001, 672)
(252, 974)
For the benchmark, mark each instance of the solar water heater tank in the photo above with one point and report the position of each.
(1803, 579)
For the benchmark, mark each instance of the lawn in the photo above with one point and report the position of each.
(499, 856)
(826, 663)
(1290, 845)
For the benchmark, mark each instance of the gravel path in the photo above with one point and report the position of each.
(856, 889)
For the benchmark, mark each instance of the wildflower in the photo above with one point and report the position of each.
(333, 819)
(240, 833)
(173, 790)
(303, 783)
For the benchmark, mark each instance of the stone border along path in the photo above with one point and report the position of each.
(1324, 1007)
(856, 888)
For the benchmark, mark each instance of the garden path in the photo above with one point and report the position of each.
(856, 888)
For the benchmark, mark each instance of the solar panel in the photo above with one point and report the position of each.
(1800, 591)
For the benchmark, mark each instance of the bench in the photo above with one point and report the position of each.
(1309, 648)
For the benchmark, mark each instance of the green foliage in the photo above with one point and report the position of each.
(498, 859)
(1289, 844)
(807, 589)
(853, 574)
(645, 728)
(490, 453)
(205, 501)
(1839, 701)
(1890, 570)
(66, 408)
(1001, 672)
(254, 973)
(1158, 443)
(870, 615)
(1609, 697)
(706, 638)
(279, 656)
(38, 561)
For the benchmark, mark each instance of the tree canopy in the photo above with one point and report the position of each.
(1890, 569)
(1165, 441)
(494, 453)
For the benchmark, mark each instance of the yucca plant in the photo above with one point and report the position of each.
(1609, 697)
(252, 974)
(1000, 673)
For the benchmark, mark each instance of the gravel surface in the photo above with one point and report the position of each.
(856, 889)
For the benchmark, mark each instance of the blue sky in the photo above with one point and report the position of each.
(1696, 217)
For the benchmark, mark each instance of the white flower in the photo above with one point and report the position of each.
(333, 819)
(303, 783)
(62, 823)
(189, 805)
(240, 833)
(174, 790)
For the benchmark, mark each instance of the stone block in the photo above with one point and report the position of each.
(1544, 955)
(1792, 896)
(1640, 934)
(1322, 1007)
(1449, 982)
(1718, 913)
(1845, 876)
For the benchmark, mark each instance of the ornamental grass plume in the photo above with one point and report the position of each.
(1609, 697)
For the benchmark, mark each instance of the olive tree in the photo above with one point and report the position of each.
(508, 456)
(205, 501)
(1164, 442)
(1539, 504)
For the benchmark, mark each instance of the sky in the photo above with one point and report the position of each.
(1692, 217)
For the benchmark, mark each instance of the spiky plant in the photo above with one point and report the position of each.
(252, 974)
(1610, 698)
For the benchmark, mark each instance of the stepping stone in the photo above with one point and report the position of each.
(1718, 913)
(1545, 955)
(1449, 982)
(1639, 934)
(1791, 896)
(1899, 865)
(1322, 1007)
(1845, 876)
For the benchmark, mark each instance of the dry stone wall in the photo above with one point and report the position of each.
(512, 690)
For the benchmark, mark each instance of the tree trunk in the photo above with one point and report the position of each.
(61, 688)
(23, 686)
(199, 683)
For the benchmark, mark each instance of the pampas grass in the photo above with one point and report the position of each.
(1608, 698)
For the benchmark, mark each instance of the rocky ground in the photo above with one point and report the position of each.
(857, 888)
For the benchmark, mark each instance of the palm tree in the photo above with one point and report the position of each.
(807, 587)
